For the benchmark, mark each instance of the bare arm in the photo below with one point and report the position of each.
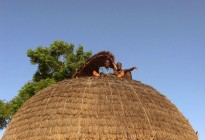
(131, 69)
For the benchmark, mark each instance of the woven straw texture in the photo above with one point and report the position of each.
(99, 108)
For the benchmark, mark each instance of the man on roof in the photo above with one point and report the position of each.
(105, 70)
(124, 73)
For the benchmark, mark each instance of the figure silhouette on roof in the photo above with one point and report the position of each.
(126, 73)
(103, 64)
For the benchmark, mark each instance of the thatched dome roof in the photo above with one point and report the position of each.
(99, 108)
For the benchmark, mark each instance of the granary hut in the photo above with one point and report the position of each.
(88, 107)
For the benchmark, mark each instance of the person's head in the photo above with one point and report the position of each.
(107, 63)
(119, 65)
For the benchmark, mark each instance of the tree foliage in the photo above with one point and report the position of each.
(4, 114)
(55, 63)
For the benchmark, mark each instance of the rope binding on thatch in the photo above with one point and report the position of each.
(99, 108)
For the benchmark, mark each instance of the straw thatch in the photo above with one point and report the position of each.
(94, 63)
(99, 108)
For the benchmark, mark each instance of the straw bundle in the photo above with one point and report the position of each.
(99, 108)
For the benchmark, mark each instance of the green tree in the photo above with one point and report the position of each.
(55, 63)
(4, 114)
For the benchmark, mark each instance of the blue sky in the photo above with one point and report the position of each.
(164, 39)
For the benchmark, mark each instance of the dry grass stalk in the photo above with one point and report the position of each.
(99, 108)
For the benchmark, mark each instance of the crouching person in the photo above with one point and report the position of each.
(126, 73)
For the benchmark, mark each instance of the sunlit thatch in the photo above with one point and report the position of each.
(99, 108)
